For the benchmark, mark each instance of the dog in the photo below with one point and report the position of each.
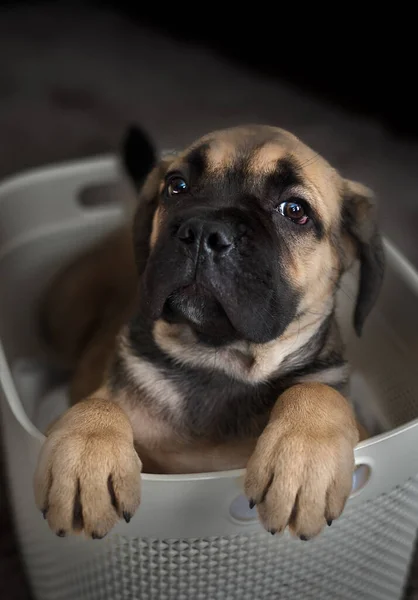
(204, 337)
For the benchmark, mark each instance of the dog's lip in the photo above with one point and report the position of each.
(192, 289)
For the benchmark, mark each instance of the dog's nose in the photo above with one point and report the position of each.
(209, 236)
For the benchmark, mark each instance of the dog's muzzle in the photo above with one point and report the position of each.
(206, 237)
(216, 270)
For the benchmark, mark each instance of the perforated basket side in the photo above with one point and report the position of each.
(363, 555)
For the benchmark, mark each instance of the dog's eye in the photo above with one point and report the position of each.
(176, 185)
(294, 210)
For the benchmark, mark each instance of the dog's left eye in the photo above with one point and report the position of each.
(176, 185)
(294, 210)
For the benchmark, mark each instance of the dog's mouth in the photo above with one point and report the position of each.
(197, 307)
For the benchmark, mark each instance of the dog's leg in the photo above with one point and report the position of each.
(93, 290)
(300, 474)
(88, 473)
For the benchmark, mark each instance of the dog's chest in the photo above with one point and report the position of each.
(165, 447)
(195, 403)
(223, 408)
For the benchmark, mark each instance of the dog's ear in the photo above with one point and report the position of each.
(359, 222)
(139, 161)
(138, 155)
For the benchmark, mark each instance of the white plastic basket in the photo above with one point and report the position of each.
(193, 536)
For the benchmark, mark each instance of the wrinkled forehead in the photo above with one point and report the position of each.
(261, 152)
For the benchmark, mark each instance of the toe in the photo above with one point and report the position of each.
(61, 500)
(308, 516)
(276, 509)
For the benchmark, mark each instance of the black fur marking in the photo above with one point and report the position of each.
(142, 231)
(359, 219)
(216, 406)
(323, 361)
(333, 359)
(197, 160)
(304, 357)
(286, 175)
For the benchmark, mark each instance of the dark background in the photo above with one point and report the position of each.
(362, 61)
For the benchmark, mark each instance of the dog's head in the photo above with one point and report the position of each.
(247, 230)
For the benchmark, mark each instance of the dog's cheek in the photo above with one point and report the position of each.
(142, 232)
(156, 227)
(315, 273)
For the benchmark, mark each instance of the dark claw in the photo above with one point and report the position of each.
(329, 522)
(44, 512)
(303, 538)
(96, 536)
(127, 516)
(61, 533)
(273, 531)
(251, 504)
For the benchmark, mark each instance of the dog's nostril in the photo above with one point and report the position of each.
(218, 241)
(208, 236)
(187, 235)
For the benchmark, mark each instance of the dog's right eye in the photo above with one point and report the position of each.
(176, 185)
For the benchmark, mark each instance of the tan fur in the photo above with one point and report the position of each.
(308, 444)
(155, 227)
(249, 362)
(221, 155)
(90, 371)
(245, 361)
(91, 443)
(315, 273)
(321, 181)
(301, 471)
(91, 292)
(265, 159)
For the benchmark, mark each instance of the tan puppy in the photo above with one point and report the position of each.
(229, 354)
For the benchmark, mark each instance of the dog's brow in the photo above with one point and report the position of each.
(197, 159)
(286, 174)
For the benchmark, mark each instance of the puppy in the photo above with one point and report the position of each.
(211, 343)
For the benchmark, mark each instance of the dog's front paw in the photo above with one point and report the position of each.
(300, 474)
(88, 474)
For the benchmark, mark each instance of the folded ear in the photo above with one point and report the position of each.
(147, 173)
(359, 221)
(138, 155)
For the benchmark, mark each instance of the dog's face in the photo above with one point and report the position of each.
(246, 231)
